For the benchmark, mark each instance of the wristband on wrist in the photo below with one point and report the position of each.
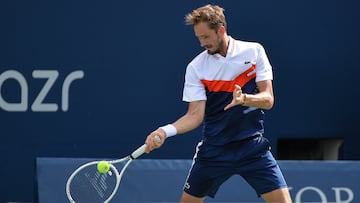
(169, 129)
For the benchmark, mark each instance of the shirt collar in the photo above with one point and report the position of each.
(230, 49)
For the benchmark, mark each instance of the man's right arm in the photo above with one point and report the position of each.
(192, 119)
(189, 121)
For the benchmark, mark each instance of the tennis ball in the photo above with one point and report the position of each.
(103, 166)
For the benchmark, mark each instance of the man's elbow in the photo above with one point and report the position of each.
(269, 103)
(199, 120)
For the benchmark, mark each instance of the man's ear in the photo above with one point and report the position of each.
(222, 30)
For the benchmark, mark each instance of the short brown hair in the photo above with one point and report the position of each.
(212, 14)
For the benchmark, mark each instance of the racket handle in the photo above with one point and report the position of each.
(138, 152)
(157, 139)
(141, 150)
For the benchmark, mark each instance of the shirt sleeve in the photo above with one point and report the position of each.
(193, 90)
(263, 66)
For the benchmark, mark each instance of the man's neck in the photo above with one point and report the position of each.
(225, 47)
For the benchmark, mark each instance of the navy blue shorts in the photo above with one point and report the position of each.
(251, 159)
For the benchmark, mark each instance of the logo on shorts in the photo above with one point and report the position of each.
(187, 185)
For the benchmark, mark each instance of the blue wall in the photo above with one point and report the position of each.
(308, 181)
(133, 56)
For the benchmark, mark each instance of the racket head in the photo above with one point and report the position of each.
(87, 184)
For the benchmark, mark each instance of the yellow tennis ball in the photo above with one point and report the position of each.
(103, 166)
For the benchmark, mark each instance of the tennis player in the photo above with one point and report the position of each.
(227, 86)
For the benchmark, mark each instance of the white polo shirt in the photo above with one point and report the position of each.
(213, 77)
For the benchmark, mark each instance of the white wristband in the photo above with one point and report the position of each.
(169, 129)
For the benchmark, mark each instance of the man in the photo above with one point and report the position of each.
(227, 87)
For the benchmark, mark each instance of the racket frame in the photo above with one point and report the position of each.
(138, 152)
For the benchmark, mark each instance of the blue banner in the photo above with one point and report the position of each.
(162, 181)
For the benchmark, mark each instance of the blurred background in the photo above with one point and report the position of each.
(93, 78)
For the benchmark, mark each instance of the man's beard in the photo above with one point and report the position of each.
(220, 48)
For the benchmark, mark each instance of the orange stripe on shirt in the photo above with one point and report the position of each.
(228, 85)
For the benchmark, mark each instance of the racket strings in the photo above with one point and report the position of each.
(98, 182)
(88, 185)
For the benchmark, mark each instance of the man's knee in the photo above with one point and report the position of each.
(189, 198)
(281, 195)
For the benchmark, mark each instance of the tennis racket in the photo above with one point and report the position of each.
(86, 184)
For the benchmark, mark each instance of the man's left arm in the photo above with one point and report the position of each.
(264, 99)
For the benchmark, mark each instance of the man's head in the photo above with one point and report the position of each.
(210, 28)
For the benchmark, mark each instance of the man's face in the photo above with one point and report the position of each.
(209, 38)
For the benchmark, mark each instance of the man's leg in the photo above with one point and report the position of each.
(186, 198)
(281, 195)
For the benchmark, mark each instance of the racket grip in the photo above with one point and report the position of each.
(141, 150)
(138, 152)
(157, 139)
